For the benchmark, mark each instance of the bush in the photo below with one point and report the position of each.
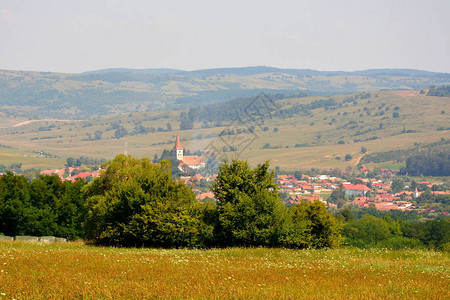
(400, 242)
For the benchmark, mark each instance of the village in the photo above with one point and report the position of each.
(321, 187)
(356, 190)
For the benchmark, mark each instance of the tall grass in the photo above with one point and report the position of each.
(74, 270)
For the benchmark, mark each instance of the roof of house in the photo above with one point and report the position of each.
(192, 160)
(86, 174)
(356, 187)
(202, 196)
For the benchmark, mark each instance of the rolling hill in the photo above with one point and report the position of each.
(294, 133)
(94, 94)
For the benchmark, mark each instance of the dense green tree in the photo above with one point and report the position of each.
(322, 228)
(70, 161)
(441, 91)
(397, 185)
(249, 210)
(437, 164)
(136, 203)
(45, 206)
(98, 135)
(14, 203)
(70, 210)
(186, 124)
(298, 175)
(371, 231)
(120, 132)
(367, 231)
(347, 214)
(45, 193)
(336, 195)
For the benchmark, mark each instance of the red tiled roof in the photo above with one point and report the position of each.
(205, 195)
(86, 174)
(192, 160)
(357, 187)
(305, 187)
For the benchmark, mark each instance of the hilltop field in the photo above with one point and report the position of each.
(74, 270)
(297, 133)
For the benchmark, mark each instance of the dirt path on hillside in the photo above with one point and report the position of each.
(43, 120)
(407, 93)
(358, 159)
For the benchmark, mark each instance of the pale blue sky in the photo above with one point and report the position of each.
(82, 35)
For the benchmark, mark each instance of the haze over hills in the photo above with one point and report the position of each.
(38, 95)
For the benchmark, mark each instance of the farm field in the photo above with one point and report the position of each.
(75, 270)
(293, 141)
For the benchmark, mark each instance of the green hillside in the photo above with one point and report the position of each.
(295, 133)
(95, 94)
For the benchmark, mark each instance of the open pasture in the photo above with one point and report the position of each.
(75, 270)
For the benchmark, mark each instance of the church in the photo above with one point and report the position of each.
(191, 161)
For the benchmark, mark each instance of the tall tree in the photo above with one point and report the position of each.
(249, 210)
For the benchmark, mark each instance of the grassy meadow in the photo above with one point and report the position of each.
(319, 140)
(74, 270)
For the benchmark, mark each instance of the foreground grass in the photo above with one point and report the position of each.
(74, 270)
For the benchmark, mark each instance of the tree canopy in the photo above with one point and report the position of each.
(250, 212)
(136, 203)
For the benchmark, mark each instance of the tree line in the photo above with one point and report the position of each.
(431, 159)
(137, 203)
(230, 110)
(428, 165)
(440, 91)
(44, 206)
(371, 228)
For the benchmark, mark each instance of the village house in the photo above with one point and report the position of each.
(355, 189)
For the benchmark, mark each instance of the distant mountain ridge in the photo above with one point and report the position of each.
(265, 69)
(121, 90)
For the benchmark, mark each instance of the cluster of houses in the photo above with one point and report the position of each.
(381, 196)
(295, 190)
(66, 174)
(370, 192)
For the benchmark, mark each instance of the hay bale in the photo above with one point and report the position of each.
(60, 240)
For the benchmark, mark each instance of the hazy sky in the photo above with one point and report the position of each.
(82, 35)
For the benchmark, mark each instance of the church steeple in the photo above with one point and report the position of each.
(178, 149)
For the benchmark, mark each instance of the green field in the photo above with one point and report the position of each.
(319, 140)
(75, 271)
